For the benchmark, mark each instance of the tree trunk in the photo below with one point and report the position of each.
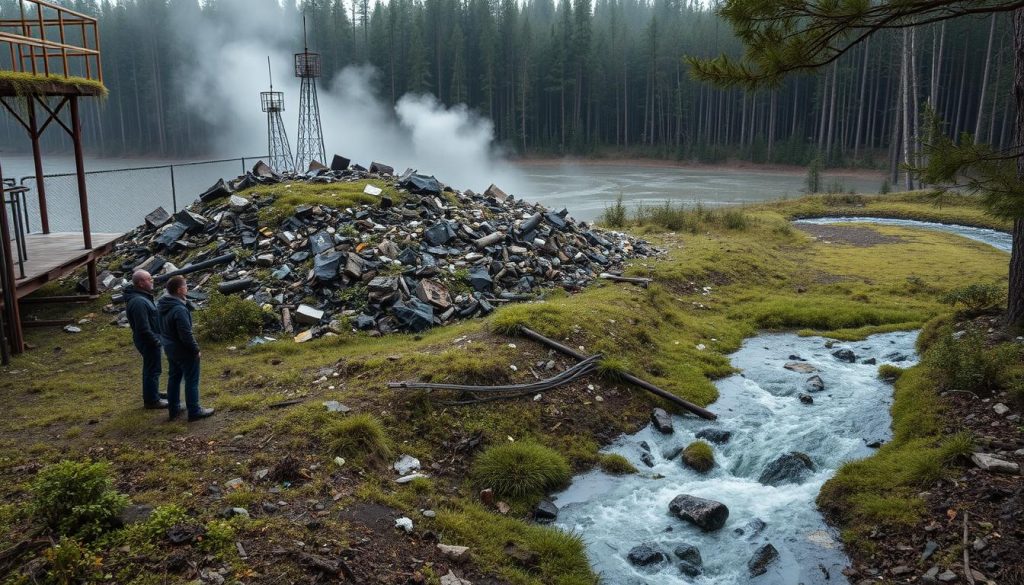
(1015, 298)
(905, 100)
(933, 98)
(860, 102)
(984, 79)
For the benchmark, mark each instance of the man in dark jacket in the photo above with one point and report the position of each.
(182, 351)
(142, 317)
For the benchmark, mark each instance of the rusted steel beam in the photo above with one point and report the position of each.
(699, 411)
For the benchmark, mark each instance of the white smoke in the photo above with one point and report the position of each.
(222, 86)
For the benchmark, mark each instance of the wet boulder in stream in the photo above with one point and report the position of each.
(845, 355)
(708, 515)
(716, 436)
(662, 421)
(762, 558)
(814, 384)
(645, 554)
(793, 467)
(691, 564)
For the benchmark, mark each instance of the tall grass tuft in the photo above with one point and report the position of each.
(360, 438)
(615, 215)
(520, 470)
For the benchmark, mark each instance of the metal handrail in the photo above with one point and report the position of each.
(40, 49)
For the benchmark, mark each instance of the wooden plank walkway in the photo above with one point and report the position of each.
(53, 255)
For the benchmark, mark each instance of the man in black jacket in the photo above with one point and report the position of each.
(182, 351)
(142, 317)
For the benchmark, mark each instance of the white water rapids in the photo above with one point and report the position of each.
(761, 409)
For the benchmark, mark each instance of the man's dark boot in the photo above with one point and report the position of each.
(203, 413)
(173, 416)
(156, 405)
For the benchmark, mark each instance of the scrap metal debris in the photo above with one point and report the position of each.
(421, 255)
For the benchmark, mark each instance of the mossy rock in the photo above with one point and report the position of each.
(699, 456)
(616, 464)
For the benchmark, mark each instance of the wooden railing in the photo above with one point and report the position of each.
(48, 39)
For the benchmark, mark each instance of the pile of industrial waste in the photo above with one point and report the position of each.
(421, 255)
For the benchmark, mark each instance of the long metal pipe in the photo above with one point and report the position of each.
(699, 411)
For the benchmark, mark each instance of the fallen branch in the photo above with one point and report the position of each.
(626, 376)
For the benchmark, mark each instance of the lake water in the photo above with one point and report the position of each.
(119, 201)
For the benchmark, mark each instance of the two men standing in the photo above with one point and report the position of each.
(167, 324)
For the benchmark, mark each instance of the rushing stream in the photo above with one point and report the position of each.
(760, 406)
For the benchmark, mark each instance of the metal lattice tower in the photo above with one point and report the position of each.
(310, 144)
(280, 152)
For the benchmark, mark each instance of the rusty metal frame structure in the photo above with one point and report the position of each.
(53, 64)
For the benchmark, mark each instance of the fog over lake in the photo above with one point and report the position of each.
(585, 189)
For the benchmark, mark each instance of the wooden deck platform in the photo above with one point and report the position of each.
(53, 255)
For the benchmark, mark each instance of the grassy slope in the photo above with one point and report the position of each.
(76, 396)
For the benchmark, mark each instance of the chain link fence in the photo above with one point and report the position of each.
(120, 199)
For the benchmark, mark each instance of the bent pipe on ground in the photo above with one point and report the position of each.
(699, 411)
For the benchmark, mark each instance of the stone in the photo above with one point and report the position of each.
(1000, 409)
(238, 203)
(751, 529)
(690, 569)
(805, 398)
(994, 464)
(405, 524)
(413, 315)
(645, 554)
(793, 467)
(947, 576)
(409, 478)
(647, 459)
(134, 514)
(845, 355)
(662, 421)
(708, 515)
(901, 570)
(451, 578)
(454, 552)
(688, 553)
(800, 368)
(406, 464)
(495, 192)
(716, 436)
(869, 362)
(326, 265)
(308, 315)
(814, 384)
(762, 558)
(335, 406)
(72, 329)
(930, 576)
(157, 218)
(372, 190)
(929, 549)
(546, 510)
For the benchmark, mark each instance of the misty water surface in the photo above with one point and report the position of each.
(584, 189)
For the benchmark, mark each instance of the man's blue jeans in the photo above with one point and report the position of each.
(179, 369)
(151, 370)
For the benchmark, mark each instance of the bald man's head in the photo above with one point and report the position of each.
(142, 280)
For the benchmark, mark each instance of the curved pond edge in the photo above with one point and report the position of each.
(999, 239)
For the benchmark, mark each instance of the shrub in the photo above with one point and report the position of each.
(70, 563)
(228, 317)
(76, 499)
(615, 215)
(616, 464)
(699, 456)
(889, 372)
(886, 187)
(520, 470)
(976, 298)
(967, 363)
(361, 439)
